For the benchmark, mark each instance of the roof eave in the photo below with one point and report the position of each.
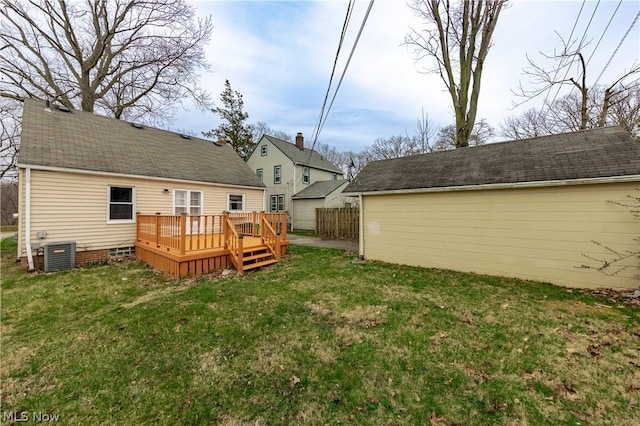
(533, 184)
(20, 165)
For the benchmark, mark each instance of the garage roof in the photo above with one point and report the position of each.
(604, 152)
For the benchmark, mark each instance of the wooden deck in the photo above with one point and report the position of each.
(197, 245)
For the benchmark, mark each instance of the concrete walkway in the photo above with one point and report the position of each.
(317, 242)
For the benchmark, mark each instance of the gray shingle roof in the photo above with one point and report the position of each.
(85, 141)
(302, 156)
(595, 153)
(319, 189)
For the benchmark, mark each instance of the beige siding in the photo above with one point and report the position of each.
(304, 214)
(73, 206)
(536, 233)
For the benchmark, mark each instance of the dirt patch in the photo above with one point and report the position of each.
(157, 294)
(581, 308)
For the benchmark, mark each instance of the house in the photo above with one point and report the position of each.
(286, 169)
(320, 194)
(537, 209)
(94, 181)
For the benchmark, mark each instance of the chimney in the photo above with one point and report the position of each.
(300, 141)
(222, 141)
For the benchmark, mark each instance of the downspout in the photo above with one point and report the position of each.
(294, 192)
(361, 228)
(27, 218)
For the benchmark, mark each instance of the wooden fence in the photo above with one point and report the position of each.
(338, 223)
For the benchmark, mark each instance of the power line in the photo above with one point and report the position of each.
(604, 32)
(323, 117)
(584, 35)
(366, 16)
(345, 25)
(618, 48)
(575, 23)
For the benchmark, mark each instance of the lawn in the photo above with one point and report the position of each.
(317, 339)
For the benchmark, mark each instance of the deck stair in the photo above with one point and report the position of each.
(256, 257)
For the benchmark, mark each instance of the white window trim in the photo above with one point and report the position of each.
(261, 176)
(244, 202)
(274, 175)
(133, 207)
(188, 200)
(263, 148)
(307, 175)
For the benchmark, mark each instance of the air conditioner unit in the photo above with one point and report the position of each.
(59, 256)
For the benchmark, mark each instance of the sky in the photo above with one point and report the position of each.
(279, 56)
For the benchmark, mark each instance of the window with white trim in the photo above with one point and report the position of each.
(306, 175)
(263, 150)
(120, 204)
(277, 174)
(235, 202)
(187, 201)
(259, 174)
(277, 203)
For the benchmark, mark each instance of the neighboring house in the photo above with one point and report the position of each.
(535, 209)
(286, 169)
(327, 193)
(83, 178)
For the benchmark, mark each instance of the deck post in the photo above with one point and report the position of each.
(225, 230)
(254, 228)
(137, 226)
(158, 229)
(183, 232)
(285, 224)
(240, 254)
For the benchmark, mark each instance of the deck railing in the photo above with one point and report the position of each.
(188, 233)
(234, 242)
(269, 236)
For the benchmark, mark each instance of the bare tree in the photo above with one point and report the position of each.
(8, 202)
(586, 106)
(393, 147)
(261, 128)
(481, 134)
(457, 35)
(529, 124)
(132, 59)
(567, 114)
(425, 134)
(9, 137)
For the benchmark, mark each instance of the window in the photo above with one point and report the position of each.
(277, 174)
(120, 203)
(334, 176)
(277, 203)
(185, 201)
(263, 150)
(259, 174)
(235, 202)
(306, 175)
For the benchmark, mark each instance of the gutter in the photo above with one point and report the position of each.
(131, 176)
(27, 218)
(536, 184)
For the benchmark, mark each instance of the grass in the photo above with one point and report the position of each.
(9, 228)
(303, 233)
(317, 339)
